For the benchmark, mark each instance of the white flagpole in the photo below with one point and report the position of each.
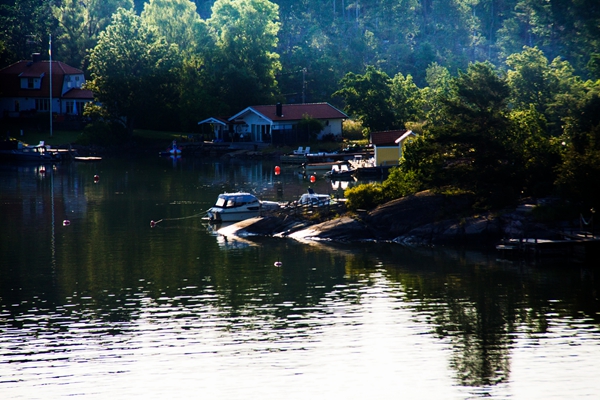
(50, 54)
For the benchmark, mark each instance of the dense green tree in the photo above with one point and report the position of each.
(178, 22)
(538, 153)
(580, 170)
(133, 71)
(551, 88)
(368, 97)
(79, 25)
(474, 149)
(243, 64)
(407, 101)
(24, 29)
(439, 87)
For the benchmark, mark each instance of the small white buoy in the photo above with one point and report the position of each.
(278, 263)
(66, 222)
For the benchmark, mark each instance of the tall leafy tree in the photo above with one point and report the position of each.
(407, 100)
(178, 22)
(368, 98)
(550, 88)
(24, 29)
(243, 63)
(79, 25)
(530, 79)
(133, 71)
(440, 85)
(580, 169)
(474, 148)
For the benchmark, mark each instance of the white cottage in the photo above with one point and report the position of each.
(277, 124)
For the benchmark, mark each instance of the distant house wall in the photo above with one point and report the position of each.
(387, 155)
(332, 127)
(255, 128)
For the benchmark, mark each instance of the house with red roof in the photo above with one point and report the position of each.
(278, 123)
(25, 89)
(388, 145)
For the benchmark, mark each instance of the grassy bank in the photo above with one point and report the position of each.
(33, 135)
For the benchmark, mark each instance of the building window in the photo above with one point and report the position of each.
(42, 104)
(73, 108)
(30, 83)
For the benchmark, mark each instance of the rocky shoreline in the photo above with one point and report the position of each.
(423, 219)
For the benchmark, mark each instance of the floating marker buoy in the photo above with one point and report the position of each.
(277, 170)
(152, 224)
(313, 179)
(96, 178)
(278, 263)
(42, 170)
(66, 222)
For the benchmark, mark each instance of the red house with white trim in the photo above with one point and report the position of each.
(25, 89)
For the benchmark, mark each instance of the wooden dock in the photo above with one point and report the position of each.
(583, 247)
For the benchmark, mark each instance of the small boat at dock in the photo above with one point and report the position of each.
(340, 172)
(234, 207)
(314, 199)
(17, 151)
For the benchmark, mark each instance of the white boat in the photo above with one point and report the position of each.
(14, 150)
(314, 199)
(340, 172)
(233, 207)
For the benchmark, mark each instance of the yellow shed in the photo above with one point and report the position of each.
(388, 146)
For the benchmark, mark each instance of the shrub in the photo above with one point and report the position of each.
(102, 133)
(365, 196)
(400, 184)
(353, 130)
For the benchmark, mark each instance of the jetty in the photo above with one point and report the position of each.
(580, 247)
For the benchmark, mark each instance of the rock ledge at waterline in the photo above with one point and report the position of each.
(421, 219)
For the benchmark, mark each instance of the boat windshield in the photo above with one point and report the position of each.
(228, 201)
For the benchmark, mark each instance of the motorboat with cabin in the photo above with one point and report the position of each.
(234, 207)
(17, 151)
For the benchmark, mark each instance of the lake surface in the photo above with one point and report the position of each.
(105, 307)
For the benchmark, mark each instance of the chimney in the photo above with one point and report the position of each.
(279, 110)
(36, 57)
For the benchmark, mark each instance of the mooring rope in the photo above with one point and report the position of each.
(154, 223)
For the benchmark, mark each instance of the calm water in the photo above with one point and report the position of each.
(108, 308)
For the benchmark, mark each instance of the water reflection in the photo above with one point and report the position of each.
(108, 293)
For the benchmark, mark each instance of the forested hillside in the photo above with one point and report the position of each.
(332, 37)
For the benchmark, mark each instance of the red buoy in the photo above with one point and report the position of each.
(96, 178)
(277, 170)
(313, 179)
(66, 222)
(152, 224)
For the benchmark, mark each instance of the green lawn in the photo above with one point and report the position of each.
(31, 135)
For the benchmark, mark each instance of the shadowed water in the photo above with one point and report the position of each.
(107, 307)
